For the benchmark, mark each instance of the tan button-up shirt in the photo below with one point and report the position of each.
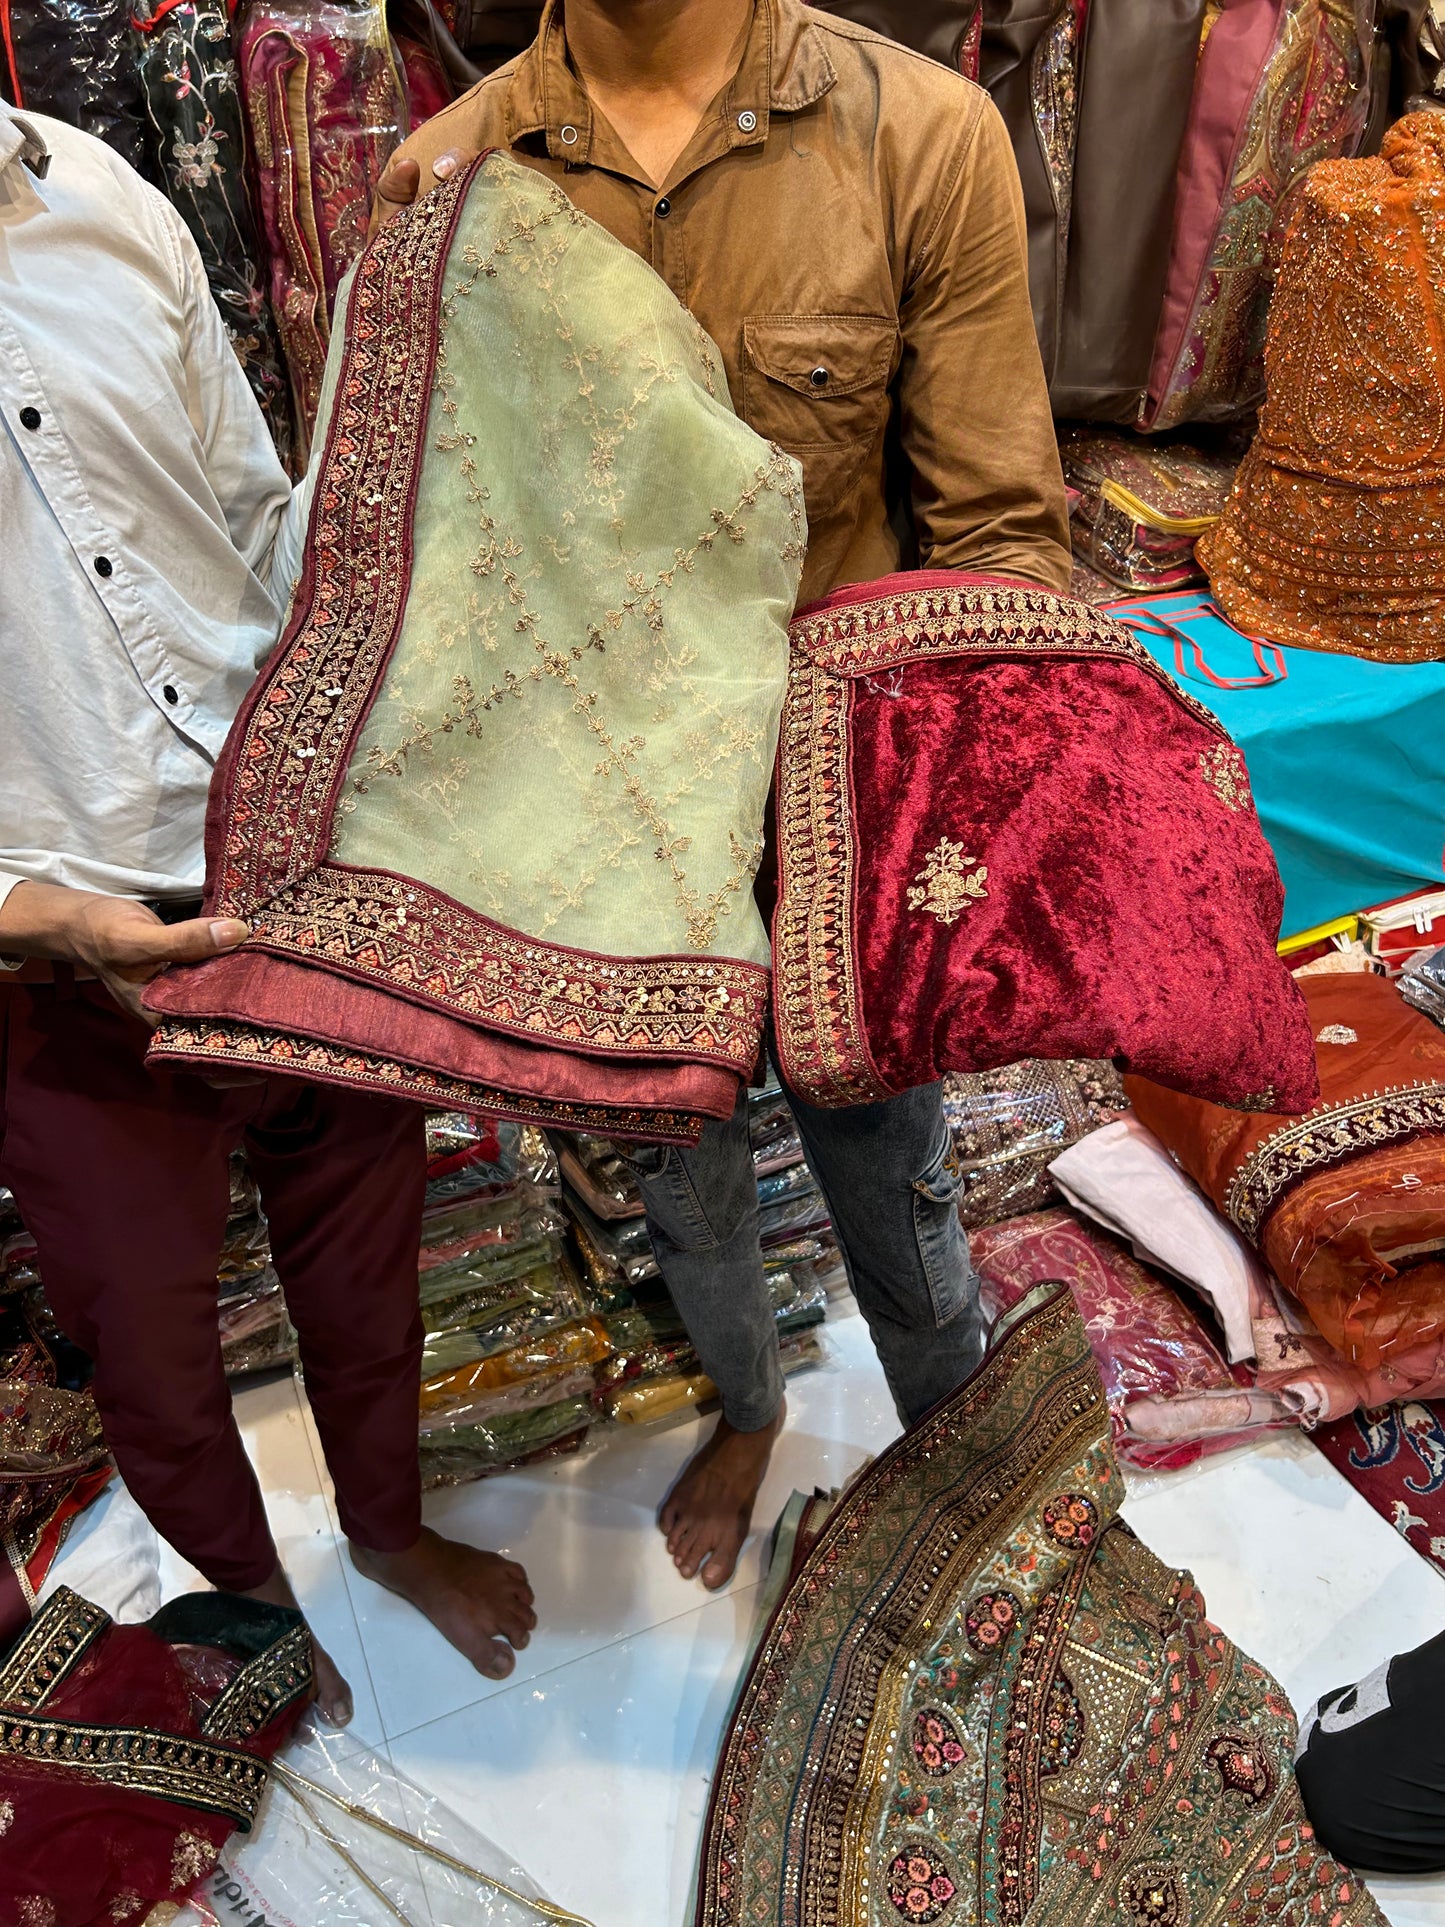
(847, 225)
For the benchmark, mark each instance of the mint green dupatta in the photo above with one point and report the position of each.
(495, 808)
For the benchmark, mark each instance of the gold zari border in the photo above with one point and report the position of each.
(212, 1779)
(51, 1647)
(263, 1689)
(223, 1041)
(1326, 1137)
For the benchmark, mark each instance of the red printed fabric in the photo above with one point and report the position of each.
(1394, 1456)
(1004, 832)
(1171, 1396)
(132, 1753)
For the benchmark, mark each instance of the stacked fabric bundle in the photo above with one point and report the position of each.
(654, 1371)
(1141, 506)
(513, 1339)
(256, 1334)
(1346, 1206)
(1009, 1125)
(53, 1458)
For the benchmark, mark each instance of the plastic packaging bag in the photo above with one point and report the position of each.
(186, 69)
(325, 106)
(345, 1840)
(470, 1451)
(469, 1393)
(1422, 984)
(1009, 1124)
(72, 59)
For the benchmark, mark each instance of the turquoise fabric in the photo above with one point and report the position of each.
(1347, 760)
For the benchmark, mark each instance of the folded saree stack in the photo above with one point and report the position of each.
(494, 808)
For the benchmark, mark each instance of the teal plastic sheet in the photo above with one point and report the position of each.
(1346, 757)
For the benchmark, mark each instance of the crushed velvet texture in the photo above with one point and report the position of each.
(1347, 1206)
(1003, 832)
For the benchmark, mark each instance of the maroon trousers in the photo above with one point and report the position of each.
(122, 1177)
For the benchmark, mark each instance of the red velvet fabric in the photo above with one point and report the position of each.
(85, 1846)
(1106, 888)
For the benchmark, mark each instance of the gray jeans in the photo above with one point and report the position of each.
(884, 1170)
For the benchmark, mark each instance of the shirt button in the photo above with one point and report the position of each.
(30, 418)
(569, 136)
(663, 208)
(819, 378)
(747, 120)
(169, 693)
(104, 565)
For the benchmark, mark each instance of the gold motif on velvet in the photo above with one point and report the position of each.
(552, 633)
(1323, 1138)
(1225, 772)
(193, 1856)
(1337, 1034)
(1101, 1753)
(945, 887)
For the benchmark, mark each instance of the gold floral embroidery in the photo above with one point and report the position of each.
(945, 887)
(194, 1855)
(34, 1910)
(647, 790)
(7, 1817)
(1337, 1034)
(1225, 772)
(128, 1903)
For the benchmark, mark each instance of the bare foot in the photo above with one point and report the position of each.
(477, 1600)
(707, 1513)
(333, 1695)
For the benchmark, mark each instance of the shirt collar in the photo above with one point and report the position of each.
(784, 68)
(20, 140)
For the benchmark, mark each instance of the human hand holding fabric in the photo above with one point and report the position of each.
(123, 942)
(401, 185)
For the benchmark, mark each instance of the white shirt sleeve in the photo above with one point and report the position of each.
(241, 462)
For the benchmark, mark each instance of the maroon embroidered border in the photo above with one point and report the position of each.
(196, 1043)
(391, 931)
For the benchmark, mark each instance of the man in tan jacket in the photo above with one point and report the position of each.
(844, 218)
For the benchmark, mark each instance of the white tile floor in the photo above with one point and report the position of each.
(590, 1765)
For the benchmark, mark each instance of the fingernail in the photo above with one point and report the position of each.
(228, 932)
(445, 166)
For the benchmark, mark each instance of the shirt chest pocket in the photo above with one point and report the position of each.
(818, 386)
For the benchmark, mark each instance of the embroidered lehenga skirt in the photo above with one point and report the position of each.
(977, 1700)
(494, 809)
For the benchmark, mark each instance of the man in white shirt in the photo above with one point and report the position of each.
(148, 539)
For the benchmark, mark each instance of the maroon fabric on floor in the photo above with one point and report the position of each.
(1394, 1456)
(121, 1176)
